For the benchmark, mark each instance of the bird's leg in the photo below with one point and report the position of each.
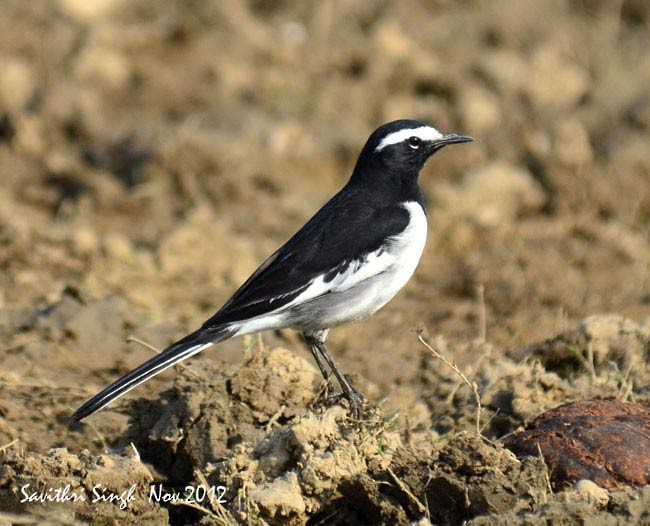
(312, 345)
(355, 399)
(316, 343)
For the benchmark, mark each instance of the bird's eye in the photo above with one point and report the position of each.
(414, 142)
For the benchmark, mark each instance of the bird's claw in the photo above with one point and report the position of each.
(356, 404)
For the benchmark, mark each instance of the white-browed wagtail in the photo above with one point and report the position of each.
(343, 265)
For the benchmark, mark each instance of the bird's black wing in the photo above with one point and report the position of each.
(347, 228)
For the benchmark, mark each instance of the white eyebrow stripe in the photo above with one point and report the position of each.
(426, 133)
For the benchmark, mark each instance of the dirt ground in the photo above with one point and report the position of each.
(152, 154)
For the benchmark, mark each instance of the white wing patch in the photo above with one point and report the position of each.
(426, 133)
(357, 271)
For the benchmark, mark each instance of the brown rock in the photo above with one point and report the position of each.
(606, 441)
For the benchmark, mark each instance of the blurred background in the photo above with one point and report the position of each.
(152, 154)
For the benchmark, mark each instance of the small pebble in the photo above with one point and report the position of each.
(592, 492)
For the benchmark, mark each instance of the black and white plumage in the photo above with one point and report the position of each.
(344, 264)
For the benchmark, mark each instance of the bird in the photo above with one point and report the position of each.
(349, 260)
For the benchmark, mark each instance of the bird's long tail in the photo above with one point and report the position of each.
(182, 349)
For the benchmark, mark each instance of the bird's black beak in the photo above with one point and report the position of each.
(448, 138)
(452, 138)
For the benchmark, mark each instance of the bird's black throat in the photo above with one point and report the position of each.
(388, 184)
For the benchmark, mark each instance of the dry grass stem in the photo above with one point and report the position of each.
(221, 514)
(400, 484)
(133, 339)
(8, 445)
(482, 314)
(100, 435)
(472, 385)
(546, 472)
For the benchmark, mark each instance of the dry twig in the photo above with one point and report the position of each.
(547, 479)
(8, 445)
(482, 314)
(400, 484)
(223, 516)
(454, 367)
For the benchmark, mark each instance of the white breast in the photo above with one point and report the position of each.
(406, 249)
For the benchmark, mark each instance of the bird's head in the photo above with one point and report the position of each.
(405, 146)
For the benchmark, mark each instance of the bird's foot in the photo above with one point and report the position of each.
(356, 403)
